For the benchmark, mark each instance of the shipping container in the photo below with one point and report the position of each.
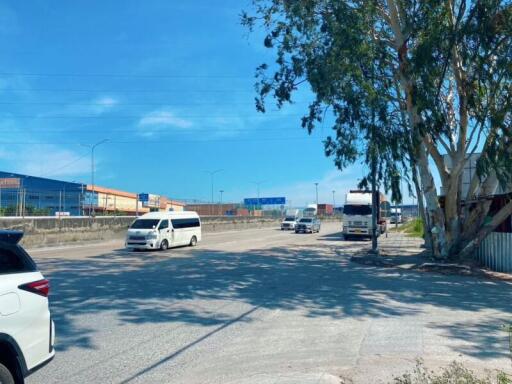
(325, 209)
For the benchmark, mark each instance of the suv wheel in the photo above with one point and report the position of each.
(5, 375)
(193, 241)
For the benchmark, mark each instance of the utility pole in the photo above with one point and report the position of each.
(212, 173)
(399, 205)
(258, 183)
(221, 192)
(401, 200)
(92, 148)
(375, 195)
(316, 188)
(333, 200)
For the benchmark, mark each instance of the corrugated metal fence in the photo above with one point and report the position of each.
(495, 252)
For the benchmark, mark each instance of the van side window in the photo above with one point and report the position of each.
(163, 224)
(185, 223)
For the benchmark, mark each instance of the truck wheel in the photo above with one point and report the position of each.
(5, 375)
(164, 245)
(193, 241)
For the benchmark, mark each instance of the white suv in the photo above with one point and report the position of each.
(27, 332)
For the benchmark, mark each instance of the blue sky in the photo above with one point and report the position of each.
(170, 84)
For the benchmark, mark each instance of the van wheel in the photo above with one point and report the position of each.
(193, 241)
(5, 375)
(164, 245)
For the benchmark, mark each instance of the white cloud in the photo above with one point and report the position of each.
(50, 161)
(96, 106)
(158, 121)
(103, 104)
(227, 127)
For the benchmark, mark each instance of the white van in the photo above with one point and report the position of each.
(163, 230)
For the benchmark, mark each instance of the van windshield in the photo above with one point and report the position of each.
(145, 224)
(357, 210)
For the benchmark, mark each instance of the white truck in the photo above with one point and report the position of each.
(395, 216)
(310, 211)
(357, 215)
(290, 219)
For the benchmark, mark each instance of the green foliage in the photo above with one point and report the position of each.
(29, 211)
(8, 211)
(329, 45)
(414, 228)
(33, 211)
(455, 373)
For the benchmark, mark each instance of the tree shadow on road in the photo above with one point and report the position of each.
(319, 280)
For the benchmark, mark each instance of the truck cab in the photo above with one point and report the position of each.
(357, 215)
(395, 216)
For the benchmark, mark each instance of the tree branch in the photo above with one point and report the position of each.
(486, 229)
(438, 159)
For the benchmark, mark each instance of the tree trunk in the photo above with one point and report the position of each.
(434, 211)
(421, 207)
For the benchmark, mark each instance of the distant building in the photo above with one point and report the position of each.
(23, 195)
(495, 251)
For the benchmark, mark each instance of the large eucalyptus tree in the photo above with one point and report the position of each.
(420, 84)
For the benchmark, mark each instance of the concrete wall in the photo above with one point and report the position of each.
(46, 231)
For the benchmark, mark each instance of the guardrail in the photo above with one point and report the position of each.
(495, 252)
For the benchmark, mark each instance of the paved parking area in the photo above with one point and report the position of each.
(261, 306)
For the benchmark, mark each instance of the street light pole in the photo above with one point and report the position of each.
(92, 148)
(221, 192)
(333, 200)
(316, 188)
(212, 173)
(258, 183)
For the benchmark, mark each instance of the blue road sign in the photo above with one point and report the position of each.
(265, 201)
(143, 197)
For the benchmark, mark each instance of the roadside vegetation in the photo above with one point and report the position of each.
(455, 373)
(413, 228)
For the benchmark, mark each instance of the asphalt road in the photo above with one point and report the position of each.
(261, 306)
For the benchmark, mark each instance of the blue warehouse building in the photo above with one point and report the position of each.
(22, 195)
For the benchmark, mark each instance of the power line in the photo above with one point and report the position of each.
(126, 75)
(110, 90)
(162, 103)
(156, 116)
(161, 141)
(52, 172)
(141, 129)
